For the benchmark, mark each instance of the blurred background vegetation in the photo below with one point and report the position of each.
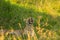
(13, 12)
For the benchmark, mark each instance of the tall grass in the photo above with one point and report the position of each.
(45, 14)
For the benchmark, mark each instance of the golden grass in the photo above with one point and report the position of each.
(47, 6)
(1, 34)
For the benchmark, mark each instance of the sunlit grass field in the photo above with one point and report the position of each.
(45, 14)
